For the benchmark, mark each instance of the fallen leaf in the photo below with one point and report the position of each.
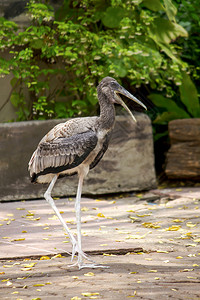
(190, 224)
(9, 283)
(44, 257)
(58, 256)
(197, 240)
(89, 294)
(39, 284)
(151, 225)
(89, 274)
(53, 218)
(142, 216)
(84, 209)
(100, 215)
(173, 228)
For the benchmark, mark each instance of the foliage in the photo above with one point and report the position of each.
(58, 59)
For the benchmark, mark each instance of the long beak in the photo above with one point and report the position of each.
(125, 93)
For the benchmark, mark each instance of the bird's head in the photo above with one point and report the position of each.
(112, 89)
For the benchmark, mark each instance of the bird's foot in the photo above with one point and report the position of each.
(92, 266)
(81, 254)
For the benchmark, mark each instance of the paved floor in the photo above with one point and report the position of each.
(150, 241)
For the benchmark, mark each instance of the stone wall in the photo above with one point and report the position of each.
(128, 164)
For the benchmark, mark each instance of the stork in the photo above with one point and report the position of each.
(75, 147)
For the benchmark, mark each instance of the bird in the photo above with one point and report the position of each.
(75, 147)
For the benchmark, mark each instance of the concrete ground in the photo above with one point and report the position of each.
(150, 241)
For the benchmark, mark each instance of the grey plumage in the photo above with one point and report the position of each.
(75, 147)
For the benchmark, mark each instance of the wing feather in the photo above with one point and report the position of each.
(62, 153)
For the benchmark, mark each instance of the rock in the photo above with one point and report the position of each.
(128, 164)
(183, 157)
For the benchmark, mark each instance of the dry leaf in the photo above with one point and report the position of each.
(89, 294)
(89, 274)
(39, 284)
(44, 257)
(151, 225)
(100, 215)
(173, 228)
(190, 224)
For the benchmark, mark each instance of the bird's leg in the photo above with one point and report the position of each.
(81, 254)
(49, 199)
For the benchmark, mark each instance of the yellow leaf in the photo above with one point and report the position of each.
(152, 271)
(156, 278)
(179, 257)
(89, 274)
(102, 245)
(151, 225)
(58, 256)
(10, 215)
(9, 283)
(84, 209)
(39, 284)
(20, 239)
(16, 292)
(29, 265)
(44, 257)
(76, 298)
(190, 224)
(178, 221)
(89, 294)
(141, 216)
(24, 231)
(75, 277)
(106, 254)
(53, 218)
(195, 265)
(100, 215)
(173, 228)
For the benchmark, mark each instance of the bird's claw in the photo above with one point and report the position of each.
(81, 254)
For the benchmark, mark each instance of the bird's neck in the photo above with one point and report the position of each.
(107, 112)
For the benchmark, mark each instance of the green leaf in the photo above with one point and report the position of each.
(189, 96)
(170, 9)
(167, 116)
(154, 5)
(113, 16)
(163, 31)
(169, 105)
(15, 99)
(37, 44)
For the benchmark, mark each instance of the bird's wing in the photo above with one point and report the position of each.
(62, 153)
